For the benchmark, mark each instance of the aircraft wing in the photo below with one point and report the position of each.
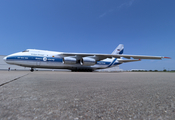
(128, 60)
(104, 56)
(143, 57)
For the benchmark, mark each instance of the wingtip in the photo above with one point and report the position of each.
(167, 57)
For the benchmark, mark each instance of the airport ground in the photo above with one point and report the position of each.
(43, 95)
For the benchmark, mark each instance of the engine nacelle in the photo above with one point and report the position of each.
(88, 61)
(69, 60)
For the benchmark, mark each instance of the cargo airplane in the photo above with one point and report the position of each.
(34, 58)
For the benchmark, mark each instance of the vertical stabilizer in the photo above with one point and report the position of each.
(118, 50)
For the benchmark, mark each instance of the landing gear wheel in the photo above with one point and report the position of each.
(31, 69)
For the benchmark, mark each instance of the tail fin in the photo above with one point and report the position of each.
(119, 49)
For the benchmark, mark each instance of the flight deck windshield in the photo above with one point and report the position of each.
(25, 51)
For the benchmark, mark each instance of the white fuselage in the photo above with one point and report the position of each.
(54, 60)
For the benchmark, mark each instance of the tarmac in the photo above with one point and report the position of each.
(51, 95)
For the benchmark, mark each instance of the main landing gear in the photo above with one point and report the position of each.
(31, 69)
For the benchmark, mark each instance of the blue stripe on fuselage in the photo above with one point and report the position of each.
(33, 58)
(112, 62)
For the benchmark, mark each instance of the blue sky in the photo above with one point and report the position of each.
(145, 27)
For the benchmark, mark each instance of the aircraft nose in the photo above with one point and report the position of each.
(5, 58)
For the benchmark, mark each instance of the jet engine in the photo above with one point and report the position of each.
(88, 61)
(69, 60)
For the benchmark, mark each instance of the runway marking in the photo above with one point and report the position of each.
(13, 80)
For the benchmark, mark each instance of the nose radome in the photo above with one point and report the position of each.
(5, 58)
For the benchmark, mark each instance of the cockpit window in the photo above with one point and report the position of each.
(25, 51)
